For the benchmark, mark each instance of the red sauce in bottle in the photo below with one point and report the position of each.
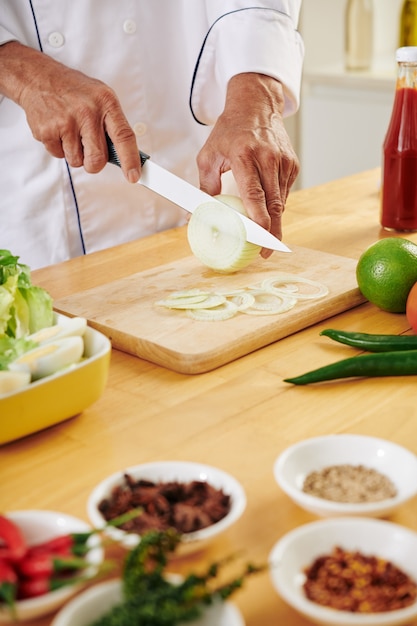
(399, 179)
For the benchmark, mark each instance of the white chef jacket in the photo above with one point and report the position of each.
(169, 62)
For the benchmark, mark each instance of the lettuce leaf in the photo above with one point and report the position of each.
(24, 308)
(7, 298)
(11, 349)
(39, 307)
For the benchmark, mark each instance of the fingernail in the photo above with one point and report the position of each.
(133, 176)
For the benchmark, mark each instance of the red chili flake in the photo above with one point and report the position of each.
(352, 581)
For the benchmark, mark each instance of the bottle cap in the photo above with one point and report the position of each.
(406, 54)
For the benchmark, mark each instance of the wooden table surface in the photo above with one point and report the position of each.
(238, 417)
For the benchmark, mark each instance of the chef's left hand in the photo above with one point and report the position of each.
(250, 139)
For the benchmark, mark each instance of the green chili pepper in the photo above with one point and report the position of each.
(8, 586)
(397, 363)
(372, 343)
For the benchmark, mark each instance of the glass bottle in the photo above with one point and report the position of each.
(408, 23)
(359, 18)
(399, 167)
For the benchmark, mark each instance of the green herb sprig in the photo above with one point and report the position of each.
(151, 599)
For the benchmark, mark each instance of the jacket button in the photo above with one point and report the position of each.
(140, 129)
(129, 26)
(56, 39)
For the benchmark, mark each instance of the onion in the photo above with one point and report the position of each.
(286, 282)
(217, 236)
(222, 312)
(262, 299)
(267, 303)
(242, 299)
(207, 301)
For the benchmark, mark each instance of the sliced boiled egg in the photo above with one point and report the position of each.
(71, 327)
(50, 357)
(12, 381)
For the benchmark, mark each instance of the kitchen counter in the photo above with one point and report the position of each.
(238, 417)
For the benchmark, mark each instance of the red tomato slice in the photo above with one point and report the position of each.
(411, 308)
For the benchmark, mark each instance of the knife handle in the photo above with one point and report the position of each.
(114, 157)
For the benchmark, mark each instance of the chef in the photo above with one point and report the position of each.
(200, 85)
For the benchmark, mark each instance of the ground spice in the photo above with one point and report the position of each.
(349, 483)
(351, 581)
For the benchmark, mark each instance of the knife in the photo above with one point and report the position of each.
(188, 197)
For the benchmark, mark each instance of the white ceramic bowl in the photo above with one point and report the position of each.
(98, 600)
(394, 461)
(38, 526)
(164, 471)
(300, 547)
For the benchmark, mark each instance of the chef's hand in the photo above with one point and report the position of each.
(250, 139)
(68, 111)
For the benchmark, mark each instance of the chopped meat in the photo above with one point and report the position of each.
(186, 507)
(190, 518)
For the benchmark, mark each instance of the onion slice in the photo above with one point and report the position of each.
(243, 299)
(222, 312)
(265, 298)
(267, 303)
(193, 302)
(286, 283)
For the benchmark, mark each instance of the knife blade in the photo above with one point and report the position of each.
(188, 197)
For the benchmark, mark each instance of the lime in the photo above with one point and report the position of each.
(386, 271)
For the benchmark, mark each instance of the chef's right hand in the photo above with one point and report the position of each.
(68, 111)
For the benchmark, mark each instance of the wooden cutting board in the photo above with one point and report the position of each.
(125, 310)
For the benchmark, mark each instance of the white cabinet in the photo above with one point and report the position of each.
(343, 117)
(342, 124)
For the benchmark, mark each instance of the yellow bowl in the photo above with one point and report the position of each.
(55, 398)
